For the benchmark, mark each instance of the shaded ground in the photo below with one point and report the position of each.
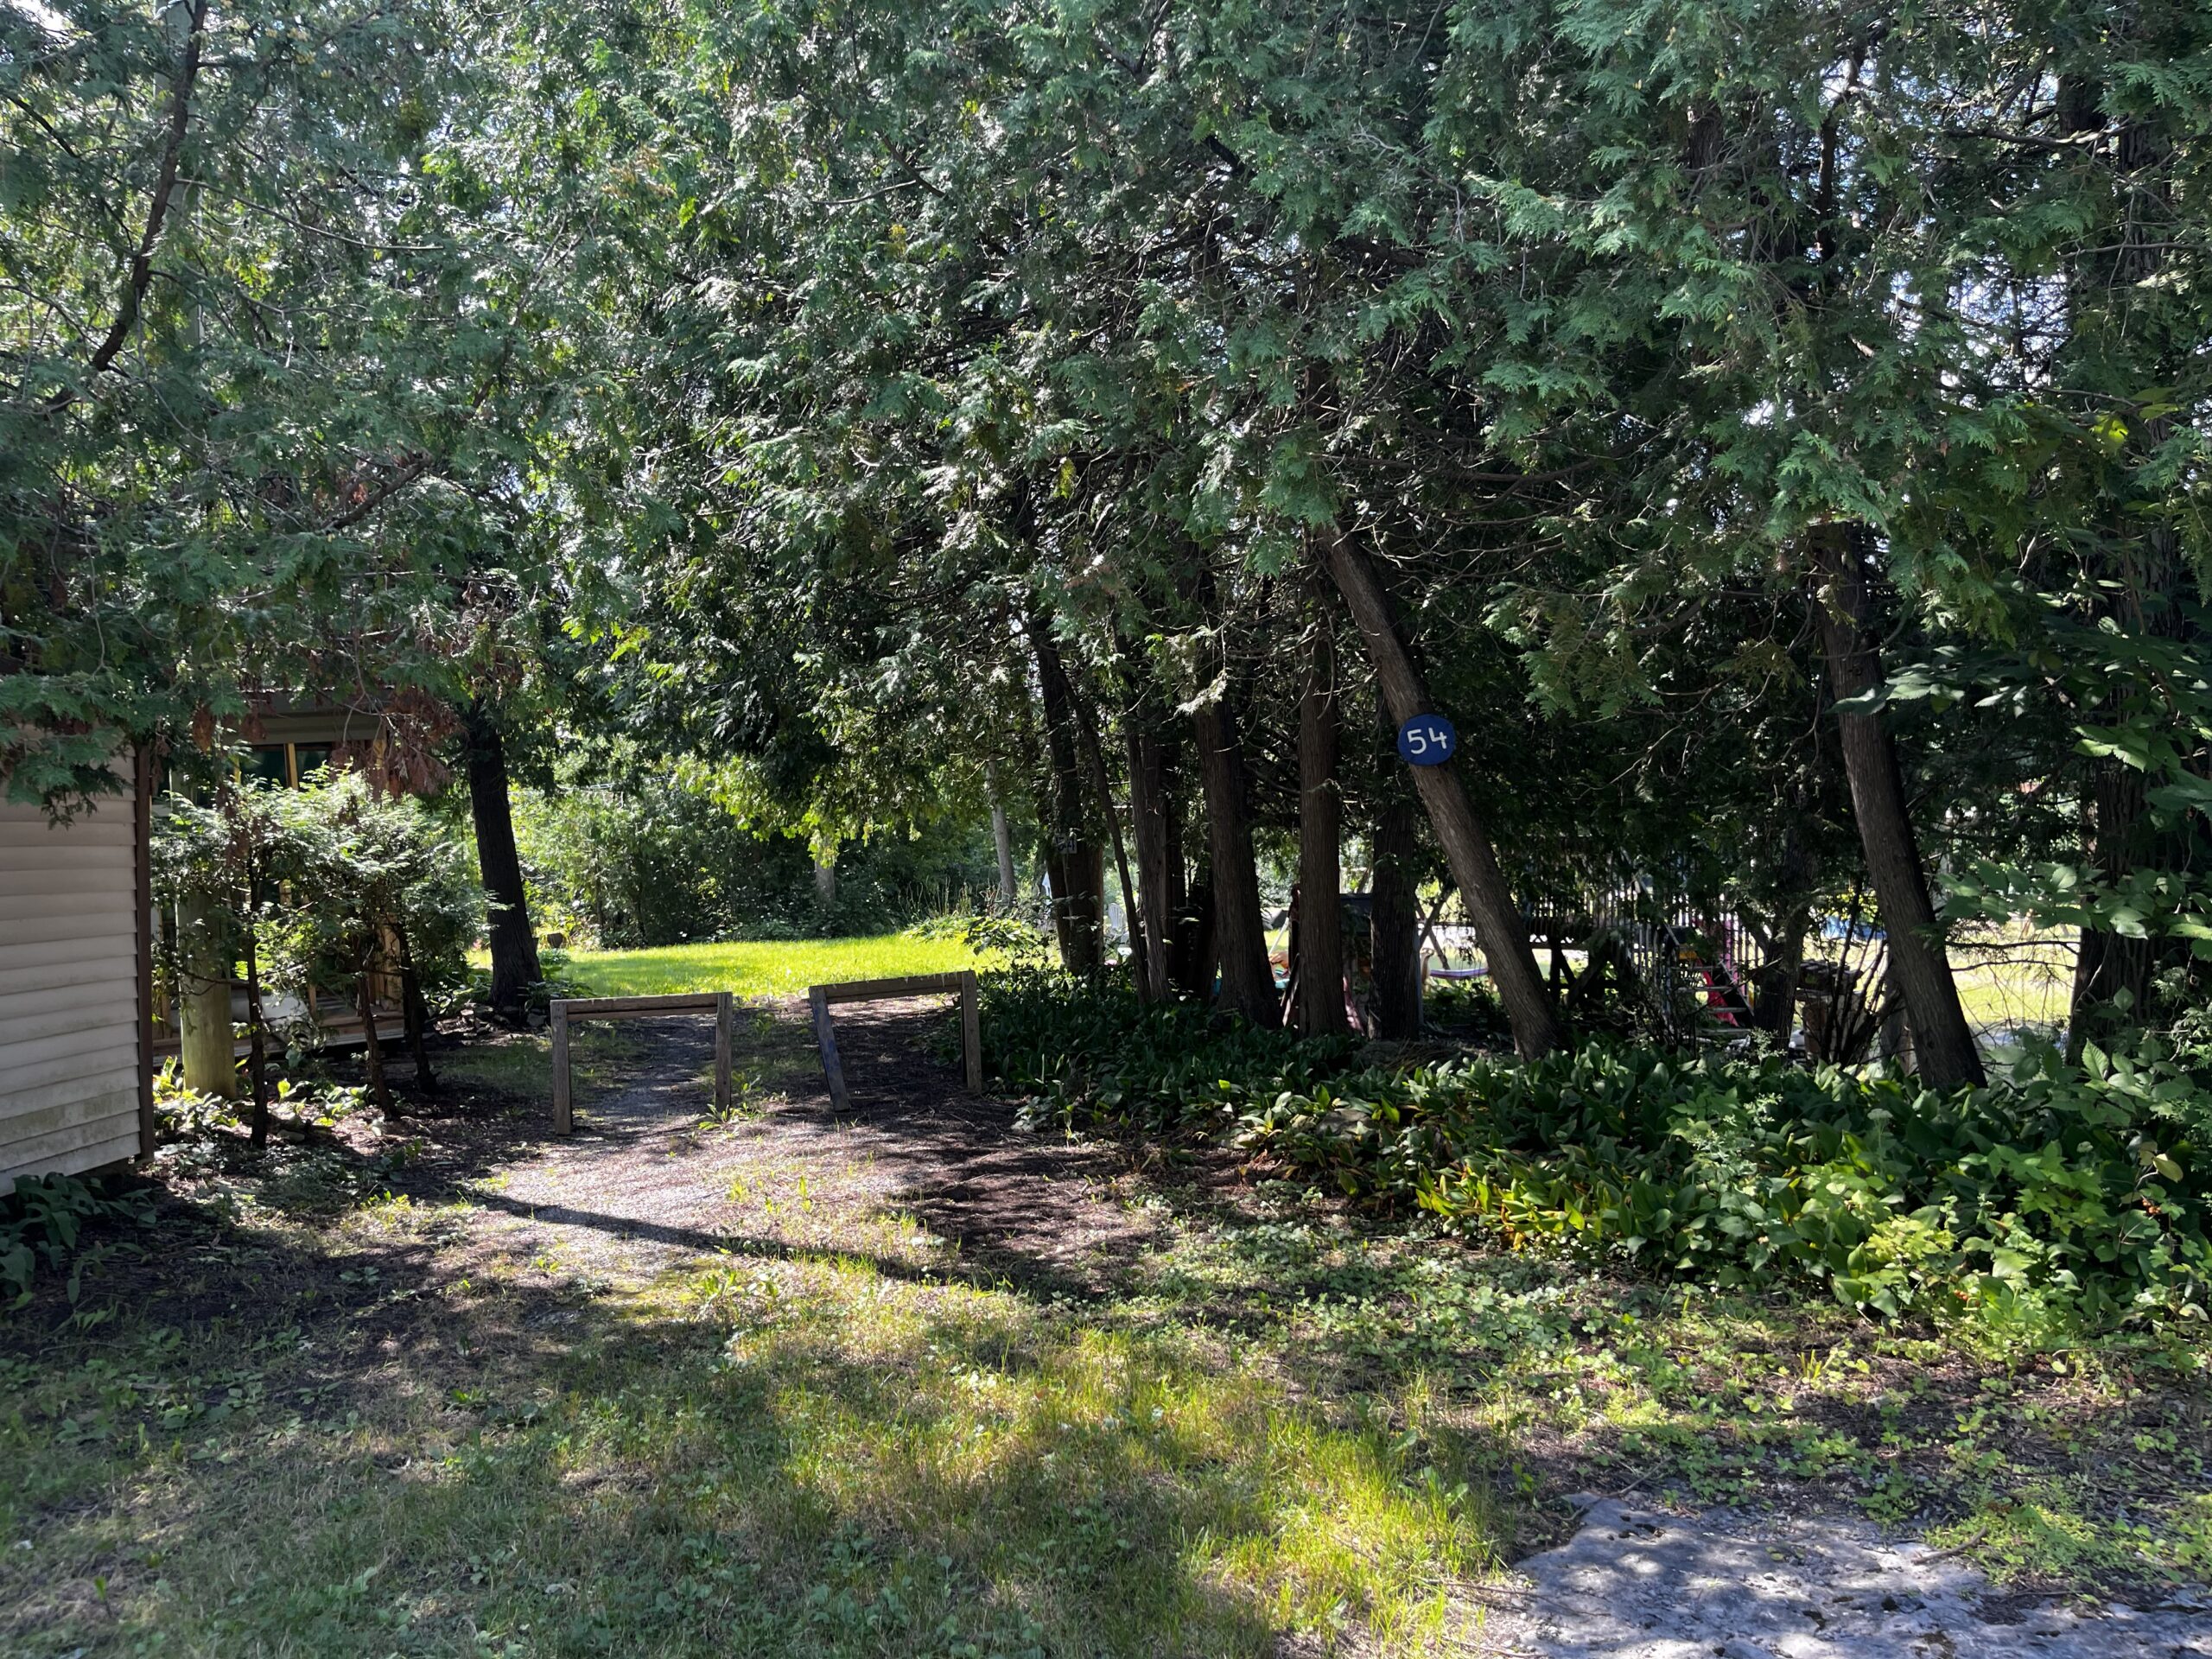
(1646, 1584)
(907, 1381)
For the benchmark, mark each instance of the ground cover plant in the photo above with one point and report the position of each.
(2066, 1196)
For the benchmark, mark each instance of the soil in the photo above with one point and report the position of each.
(643, 1185)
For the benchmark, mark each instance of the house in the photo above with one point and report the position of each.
(76, 985)
(81, 1028)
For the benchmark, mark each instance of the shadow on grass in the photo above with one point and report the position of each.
(322, 1415)
(366, 1454)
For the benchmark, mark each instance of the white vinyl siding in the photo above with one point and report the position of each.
(69, 1012)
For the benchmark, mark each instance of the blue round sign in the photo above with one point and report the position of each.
(1427, 741)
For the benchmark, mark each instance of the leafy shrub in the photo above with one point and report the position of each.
(2068, 1194)
(654, 861)
(1096, 1052)
(44, 1216)
(183, 1113)
(2087, 1186)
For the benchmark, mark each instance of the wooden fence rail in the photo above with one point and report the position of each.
(565, 1010)
(877, 990)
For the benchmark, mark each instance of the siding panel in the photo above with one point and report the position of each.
(69, 994)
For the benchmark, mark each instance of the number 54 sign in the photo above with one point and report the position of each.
(1427, 741)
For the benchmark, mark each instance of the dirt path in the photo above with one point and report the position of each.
(647, 1185)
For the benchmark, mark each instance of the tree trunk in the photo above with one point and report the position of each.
(1773, 1005)
(1002, 839)
(1071, 855)
(256, 1065)
(1150, 823)
(1919, 966)
(1459, 830)
(415, 1011)
(1140, 947)
(1320, 966)
(2144, 569)
(372, 1050)
(825, 880)
(2114, 973)
(514, 949)
(1196, 952)
(1247, 983)
(209, 1049)
(1394, 916)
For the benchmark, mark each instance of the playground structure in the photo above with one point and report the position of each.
(1680, 969)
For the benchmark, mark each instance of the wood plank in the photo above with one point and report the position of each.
(30, 906)
(610, 1007)
(95, 1101)
(51, 997)
(117, 924)
(725, 1037)
(118, 1121)
(102, 870)
(117, 1033)
(21, 1103)
(79, 1010)
(825, 1038)
(972, 1032)
(29, 826)
(873, 990)
(564, 1123)
(67, 1067)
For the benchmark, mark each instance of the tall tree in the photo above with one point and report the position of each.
(1320, 965)
(514, 944)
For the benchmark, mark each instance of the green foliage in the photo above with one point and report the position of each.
(274, 352)
(378, 880)
(2068, 1194)
(325, 882)
(647, 862)
(2079, 1189)
(43, 1218)
(1096, 1052)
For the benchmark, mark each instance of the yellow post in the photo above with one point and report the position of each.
(204, 1000)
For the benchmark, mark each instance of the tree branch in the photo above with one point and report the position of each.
(140, 272)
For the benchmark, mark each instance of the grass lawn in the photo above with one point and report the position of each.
(764, 967)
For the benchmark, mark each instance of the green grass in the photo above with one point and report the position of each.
(355, 1431)
(359, 1438)
(307, 1417)
(765, 968)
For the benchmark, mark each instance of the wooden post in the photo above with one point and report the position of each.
(562, 1124)
(826, 1039)
(724, 1021)
(972, 1032)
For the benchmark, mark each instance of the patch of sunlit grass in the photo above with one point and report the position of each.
(766, 968)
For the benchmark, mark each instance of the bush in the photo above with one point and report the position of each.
(2069, 1194)
(2086, 1186)
(1096, 1052)
(43, 1217)
(654, 862)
